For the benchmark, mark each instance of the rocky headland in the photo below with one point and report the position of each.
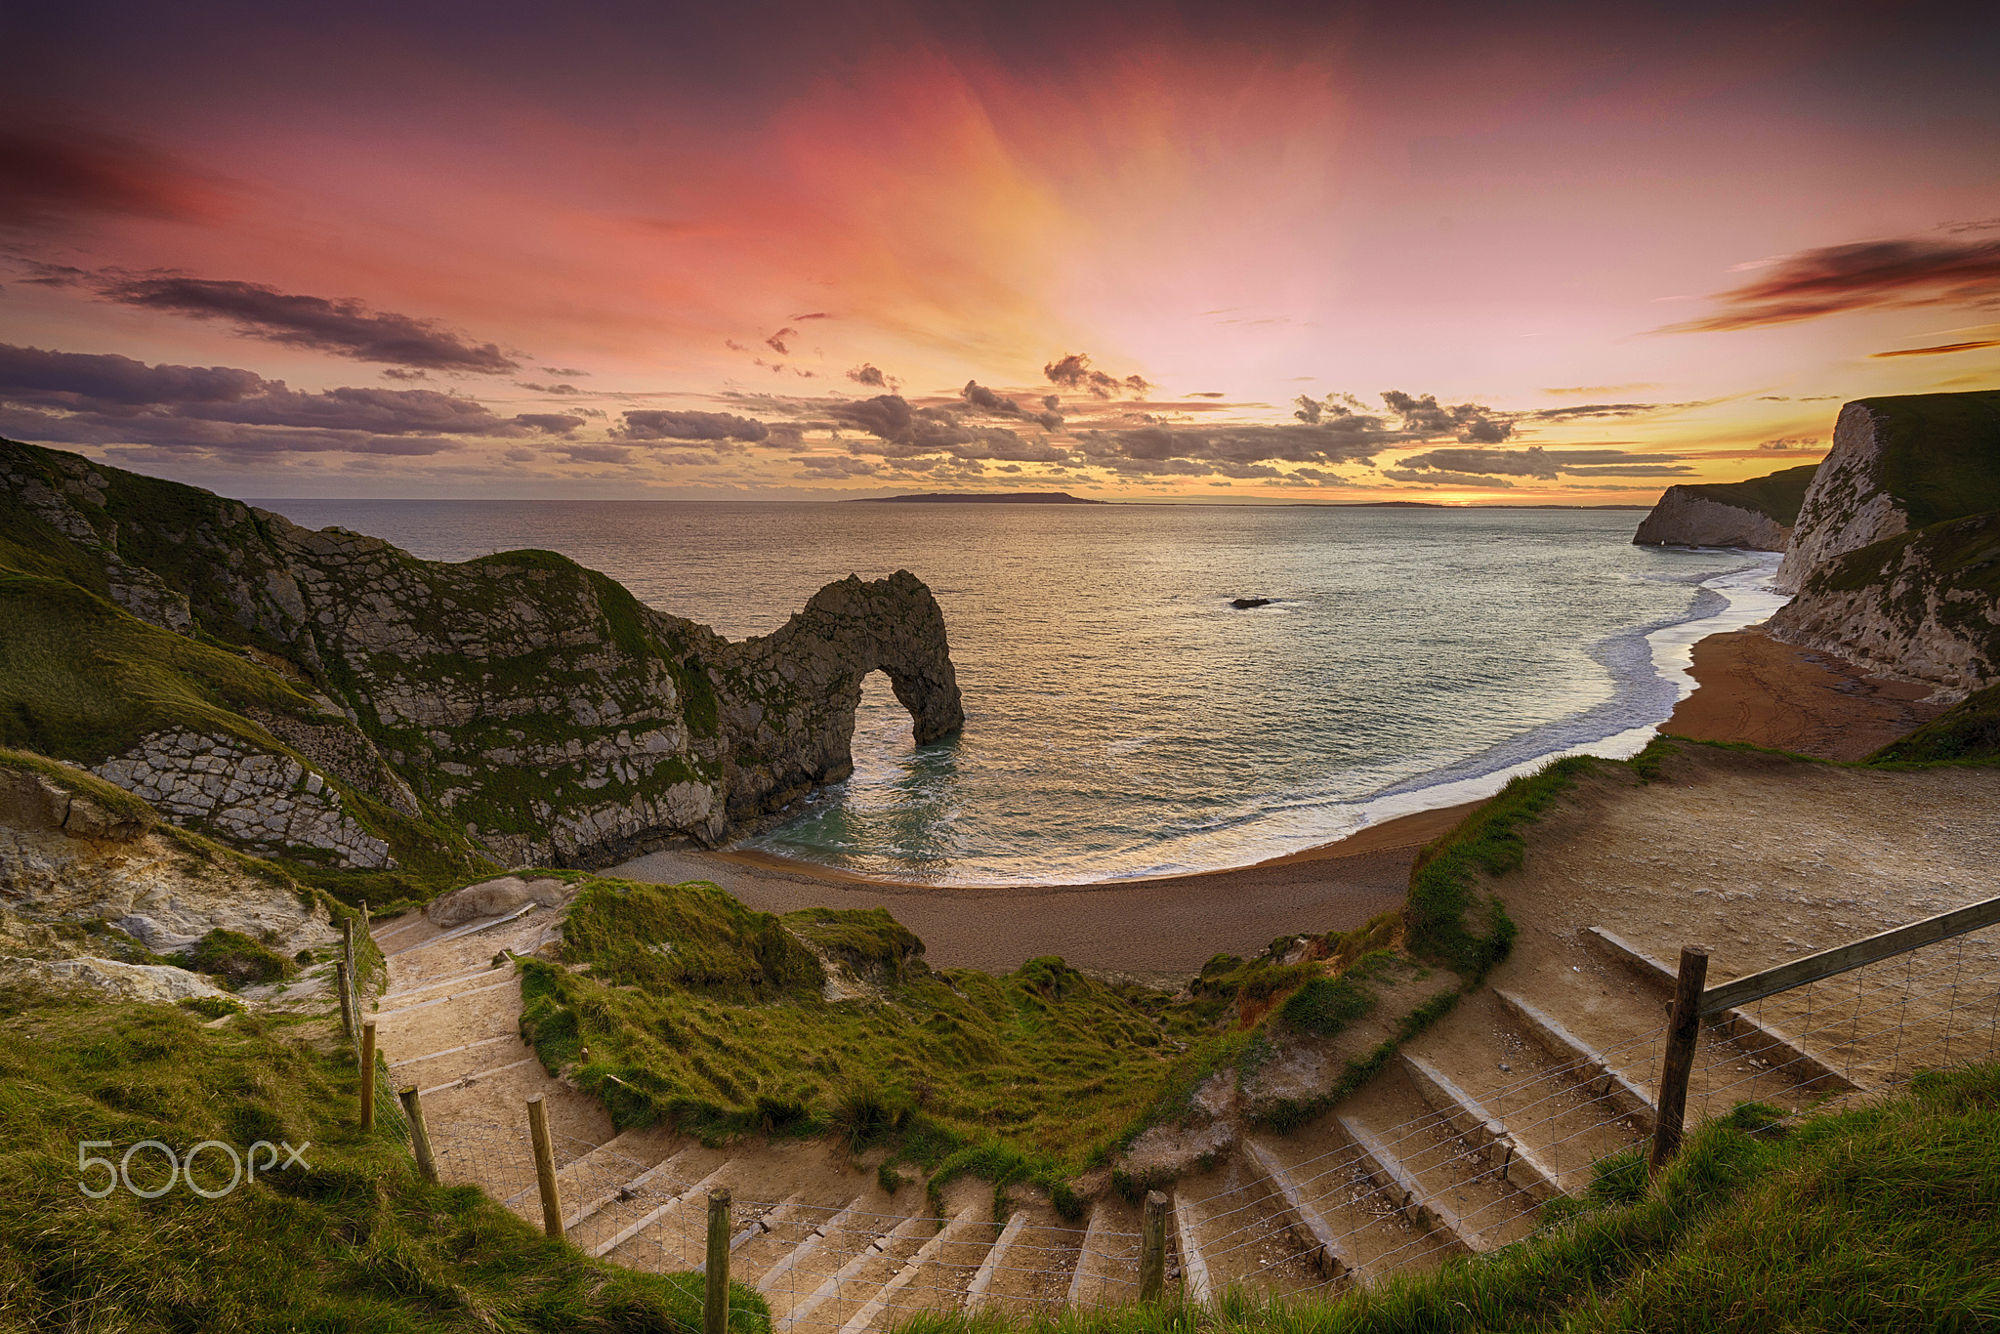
(1756, 515)
(326, 697)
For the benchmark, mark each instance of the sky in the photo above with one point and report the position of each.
(1459, 253)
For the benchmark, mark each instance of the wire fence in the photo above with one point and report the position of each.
(1361, 1194)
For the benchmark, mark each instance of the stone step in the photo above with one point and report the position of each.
(1591, 1067)
(870, 1266)
(1107, 1262)
(930, 1255)
(1328, 1250)
(1761, 1039)
(996, 1256)
(1031, 1274)
(1370, 1234)
(1518, 1165)
(1445, 1182)
(1196, 1285)
(662, 1219)
(1244, 1232)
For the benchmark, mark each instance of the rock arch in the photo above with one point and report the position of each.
(787, 699)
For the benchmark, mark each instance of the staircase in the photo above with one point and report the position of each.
(1450, 1151)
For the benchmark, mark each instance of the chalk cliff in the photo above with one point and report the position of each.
(328, 697)
(1895, 560)
(1757, 514)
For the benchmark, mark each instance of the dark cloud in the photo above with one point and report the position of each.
(341, 327)
(598, 453)
(1546, 464)
(398, 373)
(837, 465)
(666, 425)
(815, 315)
(909, 431)
(866, 374)
(1424, 416)
(1051, 402)
(1941, 349)
(81, 380)
(50, 176)
(776, 342)
(1445, 479)
(549, 423)
(1587, 411)
(534, 388)
(979, 396)
(1791, 444)
(1208, 393)
(564, 372)
(1861, 276)
(1074, 371)
(95, 398)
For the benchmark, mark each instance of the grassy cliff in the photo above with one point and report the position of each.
(1777, 496)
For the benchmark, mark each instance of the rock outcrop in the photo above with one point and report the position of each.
(1896, 559)
(327, 696)
(1756, 515)
(67, 858)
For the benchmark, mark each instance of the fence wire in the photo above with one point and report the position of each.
(1352, 1202)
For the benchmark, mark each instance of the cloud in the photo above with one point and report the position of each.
(1864, 275)
(1444, 479)
(666, 425)
(598, 453)
(1470, 422)
(53, 175)
(1208, 393)
(1535, 461)
(815, 315)
(534, 388)
(776, 342)
(549, 423)
(1940, 349)
(911, 431)
(564, 372)
(398, 373)
(979, 396)
(867, 374)
(105, 398)
(341, 327)
(1074, 371)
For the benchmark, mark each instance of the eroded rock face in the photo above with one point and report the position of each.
(67, 859)
(1846, 507)
(490, 898)
(532, 704)
(1684, 519)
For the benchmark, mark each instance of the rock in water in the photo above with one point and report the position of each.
(1242, 604)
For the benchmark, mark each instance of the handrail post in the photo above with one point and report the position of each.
(1153, 1248)
(420, 1135)
(545, 1165)
(1678, 1062)
(715, 1298)
(368, 1075)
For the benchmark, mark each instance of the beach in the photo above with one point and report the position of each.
(1750, 688)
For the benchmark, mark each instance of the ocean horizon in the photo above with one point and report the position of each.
(1128, 722)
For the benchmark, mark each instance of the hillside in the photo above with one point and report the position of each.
(1894, 559)
(1756, 514)
(389, 722)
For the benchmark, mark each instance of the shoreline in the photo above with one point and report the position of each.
(1748, 688)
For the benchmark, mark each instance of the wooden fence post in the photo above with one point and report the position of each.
(345, 984)
(1678, 1063)
(368, 1075)
(545, 1165)
(715, 1299)
(420, 1134)
(1153, 1248)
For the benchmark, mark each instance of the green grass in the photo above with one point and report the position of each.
(1940, 453)
(358, 1242)
(1882, 1218)
(1968, 731)
(1448, 922)
(701, 1013)
(238, 959)
(1777, 495)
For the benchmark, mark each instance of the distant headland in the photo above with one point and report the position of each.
(986, 498)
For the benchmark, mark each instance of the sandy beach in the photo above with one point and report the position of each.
(1751, 688)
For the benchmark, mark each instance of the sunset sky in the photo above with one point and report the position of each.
(1503, 253)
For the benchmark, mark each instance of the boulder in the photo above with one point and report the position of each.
(108, 977)
(493, 898)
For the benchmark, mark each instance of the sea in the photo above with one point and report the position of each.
(1122, 718)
